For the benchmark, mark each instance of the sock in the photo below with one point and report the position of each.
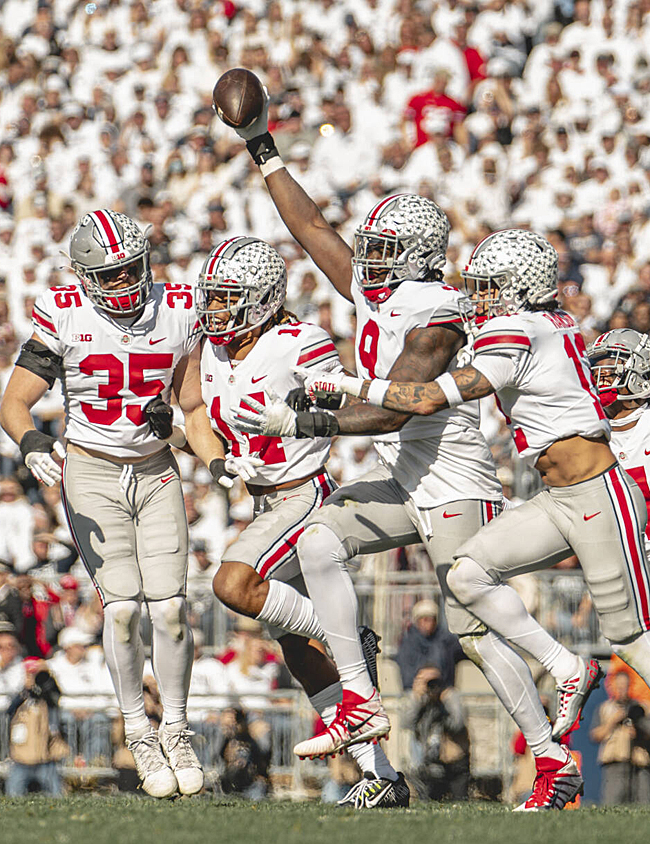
(172, 652)
(636, 654)
(323, 563)
(370, 757)
(512, 682)
(124, 654)
(285, 607)
(502, 610)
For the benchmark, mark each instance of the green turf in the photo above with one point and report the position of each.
(105, 820)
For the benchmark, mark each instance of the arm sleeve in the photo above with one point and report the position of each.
(498, 369)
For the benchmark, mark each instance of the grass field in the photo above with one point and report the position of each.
(106, 820)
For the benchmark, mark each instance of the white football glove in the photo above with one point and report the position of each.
(319, 383)
(43, 466)
(245, 466)
(260, 125)
(276, 419)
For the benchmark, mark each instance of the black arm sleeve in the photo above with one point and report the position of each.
(37, 358)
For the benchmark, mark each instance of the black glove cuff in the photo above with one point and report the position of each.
(36, 441)
(218, 469)
(318, 424)
(262, 148)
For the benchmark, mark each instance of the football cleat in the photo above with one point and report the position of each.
(373, 792)
(356, 721)
(370, 647)
(157, 777)
(182, 759)
(557, 783)
(573, 694)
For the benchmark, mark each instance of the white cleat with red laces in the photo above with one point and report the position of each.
(557, 783)
(357, 721)
(573, 694)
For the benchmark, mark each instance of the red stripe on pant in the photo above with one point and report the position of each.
(289, 545)
(631, 535)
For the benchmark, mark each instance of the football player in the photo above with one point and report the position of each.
(620, 363)
(532, 356)
(251, 345)
(436, 482)
(116, 340)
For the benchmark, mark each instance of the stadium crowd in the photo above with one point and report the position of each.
(505, 112)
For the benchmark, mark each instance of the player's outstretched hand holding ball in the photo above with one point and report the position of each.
(242, 102)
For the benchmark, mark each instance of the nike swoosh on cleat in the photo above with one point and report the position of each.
(593, 516)
(153, 342)
(447, 515)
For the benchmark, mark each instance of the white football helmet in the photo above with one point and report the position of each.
(627, 375)
(103, 244)
(247, 279)
(510, 271)
(403, 237)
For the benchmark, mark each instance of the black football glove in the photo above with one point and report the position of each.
(298, 400)
(160, 416)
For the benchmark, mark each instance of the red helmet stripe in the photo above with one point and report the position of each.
(378, 207)
(107, 229)
(218, 253)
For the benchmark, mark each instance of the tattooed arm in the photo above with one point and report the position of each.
(425, 399)
(427, 353)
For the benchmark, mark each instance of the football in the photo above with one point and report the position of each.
(238, 97)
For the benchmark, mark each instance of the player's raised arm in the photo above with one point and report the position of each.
(36, 369)
(301, 215)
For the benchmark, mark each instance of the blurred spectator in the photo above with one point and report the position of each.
(621, 727)
(440, 755)
(35, 746)
(426, 643)
(246, 765)
(86, 689)
(36, 598)
(12, 669)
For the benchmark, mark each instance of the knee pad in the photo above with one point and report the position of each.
(170, 616)
(471, 646)
(124, 618)
(466, 578)
(319, 541)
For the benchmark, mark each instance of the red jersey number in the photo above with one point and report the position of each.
(176, 292)
(67, 296)
(368, 345)
(269, 449)
(111, 390)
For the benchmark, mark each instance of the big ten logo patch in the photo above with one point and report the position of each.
(82, 338)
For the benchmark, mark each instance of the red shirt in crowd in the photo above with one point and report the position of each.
(421, 104)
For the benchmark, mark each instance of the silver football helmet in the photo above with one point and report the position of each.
(403, 237)
(626, 375)
(510, 271)
(103, 246)
(243, 282)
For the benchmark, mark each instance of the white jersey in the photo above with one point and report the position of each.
(440, 458)
(537, 363)
(111, 367)
(226, 385)
(632, 449)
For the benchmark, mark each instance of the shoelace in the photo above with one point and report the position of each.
(543, 783)
(567, 691)
(180, 746)
(147, 752)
